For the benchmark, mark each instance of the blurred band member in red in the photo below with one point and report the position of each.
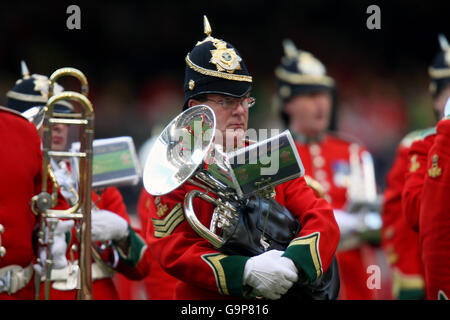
(422, 197)
(306, 95)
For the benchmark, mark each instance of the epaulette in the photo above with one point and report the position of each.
(17, 113)
(415, 135)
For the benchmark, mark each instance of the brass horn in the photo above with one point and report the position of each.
(43, 203)
(178, 155)
(234, 187)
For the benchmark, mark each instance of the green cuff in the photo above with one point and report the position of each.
(228, 271)
(411, 294)
(304, 251)
(68, 236)
(442, 295)
(135, 248)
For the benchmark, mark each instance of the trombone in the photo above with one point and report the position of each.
(43, 203)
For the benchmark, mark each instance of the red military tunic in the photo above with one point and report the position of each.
(133, 265)
(434, 218)
(21, 168)
(399, 241)
(159, 285)
(206, 273)
(415, 175)
(327, 161)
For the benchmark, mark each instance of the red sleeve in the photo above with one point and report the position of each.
(399, 242)
(392, 201)
(143, 210)
(184, 254)
(111, 199)
(395, 180)
(414, 177)
(315, 246)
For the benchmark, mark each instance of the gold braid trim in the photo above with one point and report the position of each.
(402, 281)
(35, 98)
(439, 73)
(212, 73)
(295, 78)
(26, 97)
(213, 260)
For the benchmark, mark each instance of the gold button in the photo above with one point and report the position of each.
(314, 149)
(320, 174)
(389, 233)
(326, 185)
(2, 251)
(318, 162)
(2, 229)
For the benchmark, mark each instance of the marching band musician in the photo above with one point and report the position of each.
(434, 217)
(423, 203)
(417, 156)
(402, 197)
(399, 241)
(216, 75)
(21, 159)
(18, 234)
(21, 177)
(118, 247)
(306, 94)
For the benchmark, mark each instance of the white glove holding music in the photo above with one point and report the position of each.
(270, 274)
(66, 182)
(107, 225)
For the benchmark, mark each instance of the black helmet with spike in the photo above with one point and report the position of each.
(300, 73)
(439, 71)
(32, 90)
(215, 66)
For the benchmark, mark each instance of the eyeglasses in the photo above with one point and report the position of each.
(230, 103)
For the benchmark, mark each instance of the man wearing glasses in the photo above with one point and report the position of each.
(217, 76)
(231, 116)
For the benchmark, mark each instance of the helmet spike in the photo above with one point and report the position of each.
(24, 69)
(290, 50)
(206, 26)
(443, 42)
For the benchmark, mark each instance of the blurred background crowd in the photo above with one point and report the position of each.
(133, 55)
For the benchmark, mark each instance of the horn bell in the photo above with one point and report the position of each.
(179, 150)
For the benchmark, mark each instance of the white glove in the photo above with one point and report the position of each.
(66, 182)
(348, 222)
(447, 109)
(357, 222)
(107, 225)
(270, 274)
(58, 248)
